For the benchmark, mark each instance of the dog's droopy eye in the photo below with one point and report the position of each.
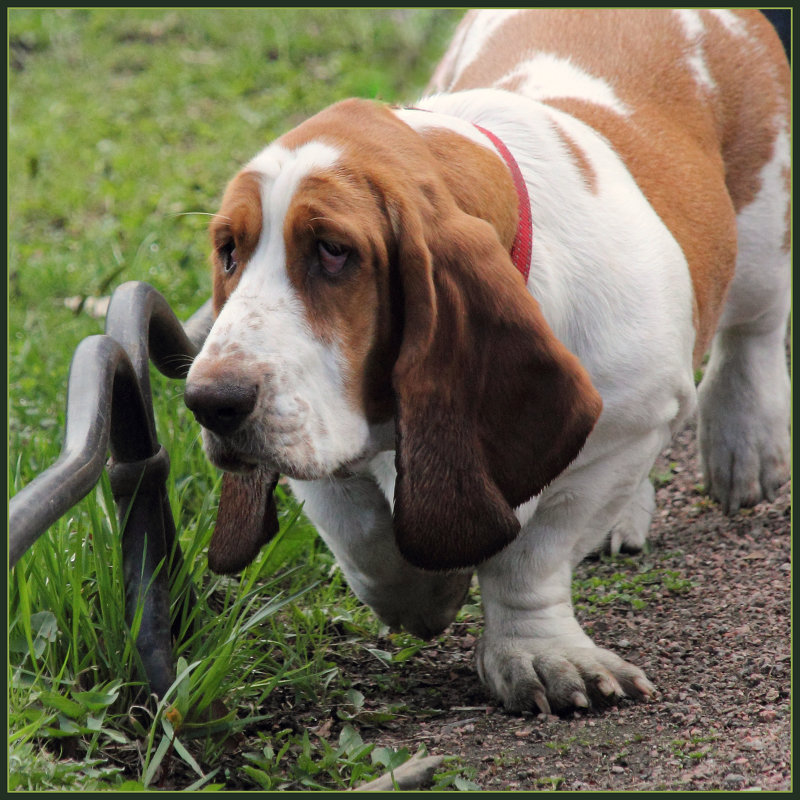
(227, 255)
(332, 256)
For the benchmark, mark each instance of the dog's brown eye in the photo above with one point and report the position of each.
(228, 257)
(332, 256)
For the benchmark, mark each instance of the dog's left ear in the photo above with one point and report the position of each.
(490, 405)
(247, 519)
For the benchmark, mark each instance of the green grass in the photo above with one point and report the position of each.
(124, 127)
(639, 583)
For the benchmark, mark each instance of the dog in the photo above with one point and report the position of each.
(465, 329)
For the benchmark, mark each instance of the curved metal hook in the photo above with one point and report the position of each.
(99, 361)
(109, 407)
(141, 320)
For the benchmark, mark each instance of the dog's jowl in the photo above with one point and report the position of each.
(465, 329)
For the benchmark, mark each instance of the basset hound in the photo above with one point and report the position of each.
(465, 329)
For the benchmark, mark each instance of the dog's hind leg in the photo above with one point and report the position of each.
(629, 533)
(744, 396)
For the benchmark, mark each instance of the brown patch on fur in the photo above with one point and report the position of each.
(753, 77)
(238, 221)
(480, 182)
(348, 310)
(694, 204)
(512, 83)
(696, 155)
(579, 158)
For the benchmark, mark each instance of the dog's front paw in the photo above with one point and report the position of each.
(543, 675)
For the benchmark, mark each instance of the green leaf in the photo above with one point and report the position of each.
(67, 726)
(62, 704)
(464, 785)
(201, 784)
(349, 740)
(182, 699)
(406, 653)
(355, 698)
(259, 776)
(187, 756)
(43, 630)
(390, 758)
(130, 786)
(94, 723)
(155, 761)
(96, 700)
(382, 655)
(115, 736)
(44, 625)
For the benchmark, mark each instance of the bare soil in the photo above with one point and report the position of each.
(715, 641)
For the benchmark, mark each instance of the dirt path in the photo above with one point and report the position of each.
(714, 636)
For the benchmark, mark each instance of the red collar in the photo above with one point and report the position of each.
(521, 249)
(523, 239)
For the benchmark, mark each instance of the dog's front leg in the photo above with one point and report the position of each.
(533, 654)
(354, 518)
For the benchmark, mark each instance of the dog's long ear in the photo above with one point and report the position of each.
(490, 405)
(247, 519)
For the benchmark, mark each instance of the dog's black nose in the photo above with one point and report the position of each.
(220, 406)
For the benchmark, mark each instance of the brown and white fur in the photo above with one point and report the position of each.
(375, 343)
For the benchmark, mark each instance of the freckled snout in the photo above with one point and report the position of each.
(221, 405)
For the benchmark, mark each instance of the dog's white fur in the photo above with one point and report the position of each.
(614, 286)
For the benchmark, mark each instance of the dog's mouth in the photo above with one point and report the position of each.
(228, 455)
(242, 462)
(296, 456)
(230, 463)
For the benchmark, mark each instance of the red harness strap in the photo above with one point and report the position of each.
(523, 240)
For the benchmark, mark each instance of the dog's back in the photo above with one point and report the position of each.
(694, 102)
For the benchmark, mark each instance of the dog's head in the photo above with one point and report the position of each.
(354, 293)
